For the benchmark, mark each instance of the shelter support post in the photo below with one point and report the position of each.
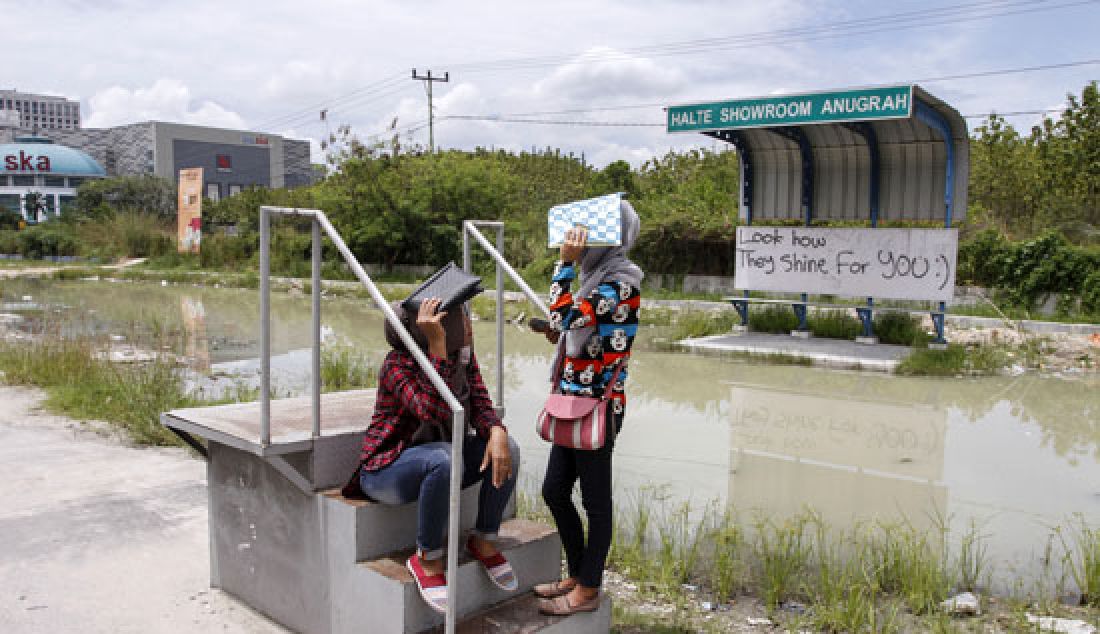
(867, 132)
(744, 157)
(933, 119)
(806, 153)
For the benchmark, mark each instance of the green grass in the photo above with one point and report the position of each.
(628, 621)
(81, 385)
(343, 367)
(1081, 557)
(690, 324)
(900, 329)
(882, 576)
(773, 319)
(834, 324)
(782, 550)
(957, 360)
(908, 563)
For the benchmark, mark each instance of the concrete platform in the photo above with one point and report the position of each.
(238, 425)
(833, 353)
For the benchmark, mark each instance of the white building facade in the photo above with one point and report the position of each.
(39, 178)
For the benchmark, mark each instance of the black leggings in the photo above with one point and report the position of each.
(593, 469)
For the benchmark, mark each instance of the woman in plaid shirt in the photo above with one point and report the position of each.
(594, 329)
(407, 450)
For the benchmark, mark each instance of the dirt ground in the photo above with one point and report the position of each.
(100, 536)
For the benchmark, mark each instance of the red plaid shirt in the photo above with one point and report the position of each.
(406, 396)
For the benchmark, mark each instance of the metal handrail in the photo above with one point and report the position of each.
(470, 228)
(320, 222)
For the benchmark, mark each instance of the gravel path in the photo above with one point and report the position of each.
(102, 537)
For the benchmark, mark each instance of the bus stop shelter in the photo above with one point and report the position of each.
(886, 154)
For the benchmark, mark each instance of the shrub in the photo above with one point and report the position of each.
(899, 328)
(776, 319)
(1090, 294)
(980, 259)
(834, 324)
(9, 242)
(145, 194)
(47, 239)
(9, 219)
(691, 324)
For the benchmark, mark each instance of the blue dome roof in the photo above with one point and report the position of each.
(41, 156)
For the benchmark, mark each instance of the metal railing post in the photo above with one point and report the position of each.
(500, 319)
(315, 292)
(466, 260)
(470, 227)
(265, 328)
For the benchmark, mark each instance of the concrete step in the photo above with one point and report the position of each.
(533, 549)
(379, 529)
(520, 615)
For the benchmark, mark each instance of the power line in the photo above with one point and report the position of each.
(602, 124)
(914, 19)
(358, 93)
(1007, 71)
(645, 124)
(985, 73)
(903, 20)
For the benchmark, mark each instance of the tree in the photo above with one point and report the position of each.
(36, 205)
(130, 194)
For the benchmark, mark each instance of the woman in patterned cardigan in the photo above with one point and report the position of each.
(594, 330)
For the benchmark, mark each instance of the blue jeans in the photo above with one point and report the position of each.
(423, 473)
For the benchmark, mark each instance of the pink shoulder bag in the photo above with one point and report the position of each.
(578, 422)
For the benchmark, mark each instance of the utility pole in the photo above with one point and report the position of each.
(428, 81)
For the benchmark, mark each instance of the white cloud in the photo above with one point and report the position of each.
(602, 73)
(273, 65)
(165, 100)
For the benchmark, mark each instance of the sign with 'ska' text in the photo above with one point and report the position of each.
(865, 104)
(884, 263)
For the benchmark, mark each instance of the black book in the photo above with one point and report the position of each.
(450, 284)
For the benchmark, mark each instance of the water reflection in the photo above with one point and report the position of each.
(849, 459)
(1018, 454)
(196, 344)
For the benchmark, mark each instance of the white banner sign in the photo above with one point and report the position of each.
(884, 263)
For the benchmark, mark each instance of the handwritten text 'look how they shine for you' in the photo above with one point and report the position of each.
(802, 259)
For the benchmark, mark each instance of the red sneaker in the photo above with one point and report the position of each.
(433, 588)
(497, 567)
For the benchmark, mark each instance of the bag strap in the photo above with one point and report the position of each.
(610, 387)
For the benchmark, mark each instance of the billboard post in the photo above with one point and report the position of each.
(189, 224)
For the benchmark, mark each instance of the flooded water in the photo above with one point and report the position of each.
(1017, 456)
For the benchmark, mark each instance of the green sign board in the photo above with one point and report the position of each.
(865, 104)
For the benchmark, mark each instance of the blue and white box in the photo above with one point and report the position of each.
(601, 215)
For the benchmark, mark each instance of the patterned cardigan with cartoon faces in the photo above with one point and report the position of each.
(606, 321)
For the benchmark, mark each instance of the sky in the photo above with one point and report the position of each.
(272, 66)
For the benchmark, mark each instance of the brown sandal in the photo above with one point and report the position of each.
(560, 606)
(552, 589)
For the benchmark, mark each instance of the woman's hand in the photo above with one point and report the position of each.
(575, 240)
(429, 323)
(498, 456)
